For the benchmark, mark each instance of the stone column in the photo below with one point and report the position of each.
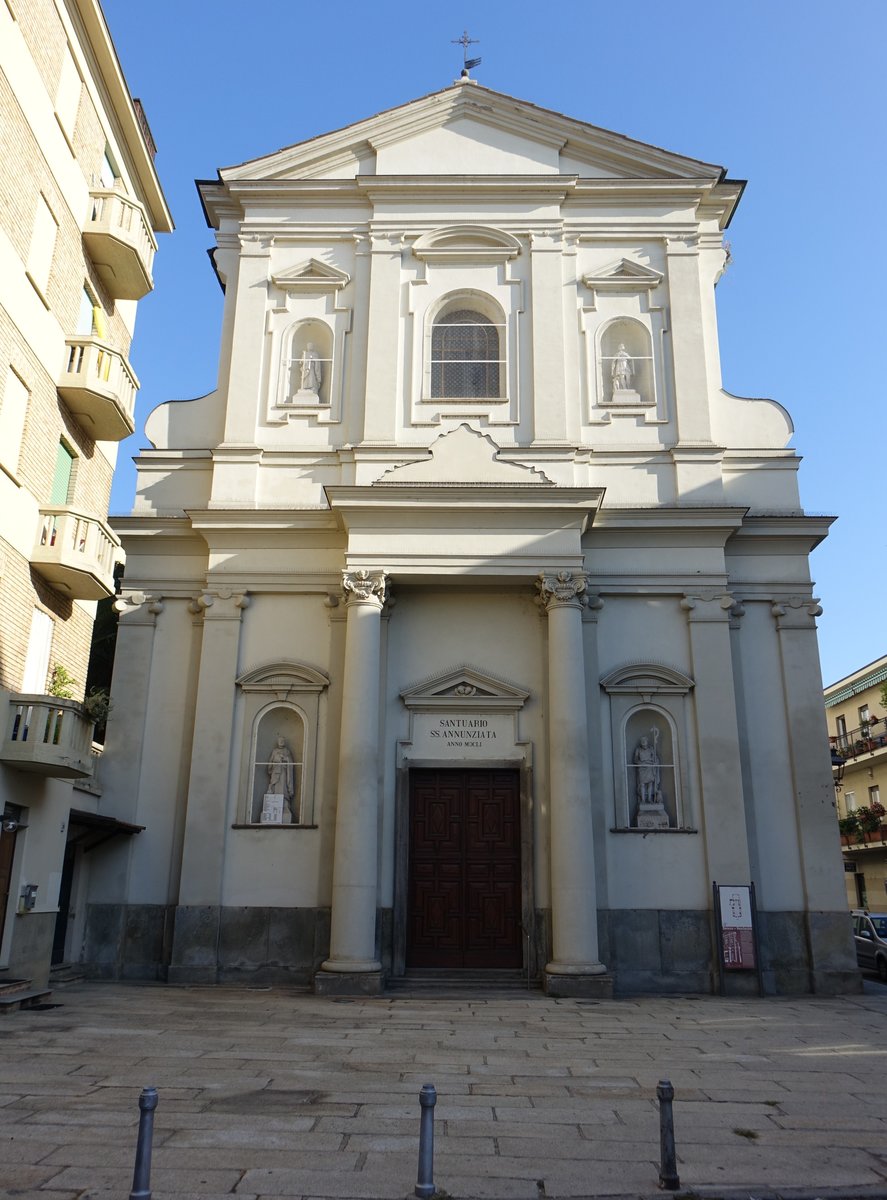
(832, 958)
(352, 966)
(574, 969)
(198, 917)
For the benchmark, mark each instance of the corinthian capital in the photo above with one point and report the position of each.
(562, 588)
(365, 587)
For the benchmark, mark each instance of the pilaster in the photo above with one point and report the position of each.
(688, 347)
(247, 340)
(549, 351)
(194, 957)
(383, 341)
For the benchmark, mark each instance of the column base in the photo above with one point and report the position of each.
(349, 983)
(598, 987)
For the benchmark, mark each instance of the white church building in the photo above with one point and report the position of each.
(468, 624)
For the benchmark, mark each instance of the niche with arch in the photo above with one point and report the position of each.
(626, 358)
(649, 717)
(307, 364)
(281, 714)
(465, 348)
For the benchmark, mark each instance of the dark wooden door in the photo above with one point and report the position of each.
(64, 913)
(7, 850)
(464, 876)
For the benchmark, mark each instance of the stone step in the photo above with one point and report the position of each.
(12, 985)
(64, 973)
(12, 1001)
(428, 981)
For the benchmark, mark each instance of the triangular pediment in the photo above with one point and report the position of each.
(464, 456)
(469, 129)
(624, 276)
(311, 276)
(464, 687)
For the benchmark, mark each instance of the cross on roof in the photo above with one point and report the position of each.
(465, 41)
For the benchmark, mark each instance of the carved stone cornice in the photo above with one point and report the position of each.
(138, 608)
(365, 587)
(566, 589)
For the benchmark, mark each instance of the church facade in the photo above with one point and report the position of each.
(468, 624)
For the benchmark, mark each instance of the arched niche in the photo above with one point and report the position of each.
(280, 701)
(649, 720)
(308, 363)
(626, 358)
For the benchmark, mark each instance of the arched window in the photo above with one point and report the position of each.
(465, 354)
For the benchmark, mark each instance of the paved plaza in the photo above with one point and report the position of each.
(267, 1092)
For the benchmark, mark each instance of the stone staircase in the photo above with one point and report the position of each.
(433, 982)
(18, 993)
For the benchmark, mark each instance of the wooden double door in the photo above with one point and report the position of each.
(464, 894)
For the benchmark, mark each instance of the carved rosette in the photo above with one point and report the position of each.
(566, 588)
(365, 587)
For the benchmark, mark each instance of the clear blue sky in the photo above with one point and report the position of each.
(788, 95)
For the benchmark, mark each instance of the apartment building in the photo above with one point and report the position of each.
(80, 207)
(857, 721)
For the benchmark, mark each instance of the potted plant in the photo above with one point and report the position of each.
(870, 821)
(849, 827)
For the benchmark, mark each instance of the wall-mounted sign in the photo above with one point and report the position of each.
(737, 928)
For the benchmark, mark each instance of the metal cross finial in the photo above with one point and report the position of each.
(465, 41)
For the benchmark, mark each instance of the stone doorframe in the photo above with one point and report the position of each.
(464, 693)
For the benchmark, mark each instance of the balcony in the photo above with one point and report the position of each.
(48, 736)
(76, 553)
(120, 243)
(99, 386)
(857, 743)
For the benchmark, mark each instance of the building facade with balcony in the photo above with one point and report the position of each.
(857, 723)
(468, 622)
(80, 207)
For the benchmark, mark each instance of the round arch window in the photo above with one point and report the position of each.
(465, 355)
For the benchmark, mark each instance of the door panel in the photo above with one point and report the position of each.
(464, 877)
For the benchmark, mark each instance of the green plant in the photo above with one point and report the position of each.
(849, 825)
(870, 818)
(97, 705)
(61, 683)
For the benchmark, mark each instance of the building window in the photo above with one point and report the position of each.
(42, 246)
(841, 730)
(466, 354)
(67, 100)
(874, 795)
(63, 478)
(864, 715)
(13, 411)
(36, 674)
(850, 802)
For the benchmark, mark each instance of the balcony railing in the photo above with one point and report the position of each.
(48, 736)
(76, 552)
(99, 386)
(120, 243)
(856, 743)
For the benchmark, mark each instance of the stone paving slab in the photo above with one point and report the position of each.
(276, 1093)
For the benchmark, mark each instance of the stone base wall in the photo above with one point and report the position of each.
(31, 948)
(653, 952)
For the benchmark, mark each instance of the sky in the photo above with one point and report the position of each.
(784, 93)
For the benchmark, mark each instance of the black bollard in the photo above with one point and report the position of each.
(141, 1176)
(668, 1166)
(425, 1182)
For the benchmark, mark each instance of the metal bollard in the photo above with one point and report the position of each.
(668, 1166)
(425, 1182)
(141, 1176)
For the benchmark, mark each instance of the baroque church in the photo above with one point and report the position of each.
(468, 625)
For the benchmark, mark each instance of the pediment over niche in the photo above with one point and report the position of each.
(466, 243)
(466, 456)
(463, 688)
(283, 677)
(647, 679)
(311, 276)
(624, 276)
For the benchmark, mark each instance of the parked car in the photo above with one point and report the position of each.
(870, 935)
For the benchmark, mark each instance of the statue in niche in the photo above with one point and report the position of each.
(652, 813)
(278, 800)
(622, 371)
(310, 372)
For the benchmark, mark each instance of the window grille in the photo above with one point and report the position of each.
(465, 355)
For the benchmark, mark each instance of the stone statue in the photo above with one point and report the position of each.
(646, 760)
(282, 775)
(622, 371)
(310, 371)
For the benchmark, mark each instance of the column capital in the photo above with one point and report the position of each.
(138, 608)
(224, 604)
(365, 587)
(796, 612)
(709, 604)
(565, 589)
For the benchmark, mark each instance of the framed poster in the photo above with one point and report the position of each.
(735, 915)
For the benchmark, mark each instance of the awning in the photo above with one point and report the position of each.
(94, 829)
